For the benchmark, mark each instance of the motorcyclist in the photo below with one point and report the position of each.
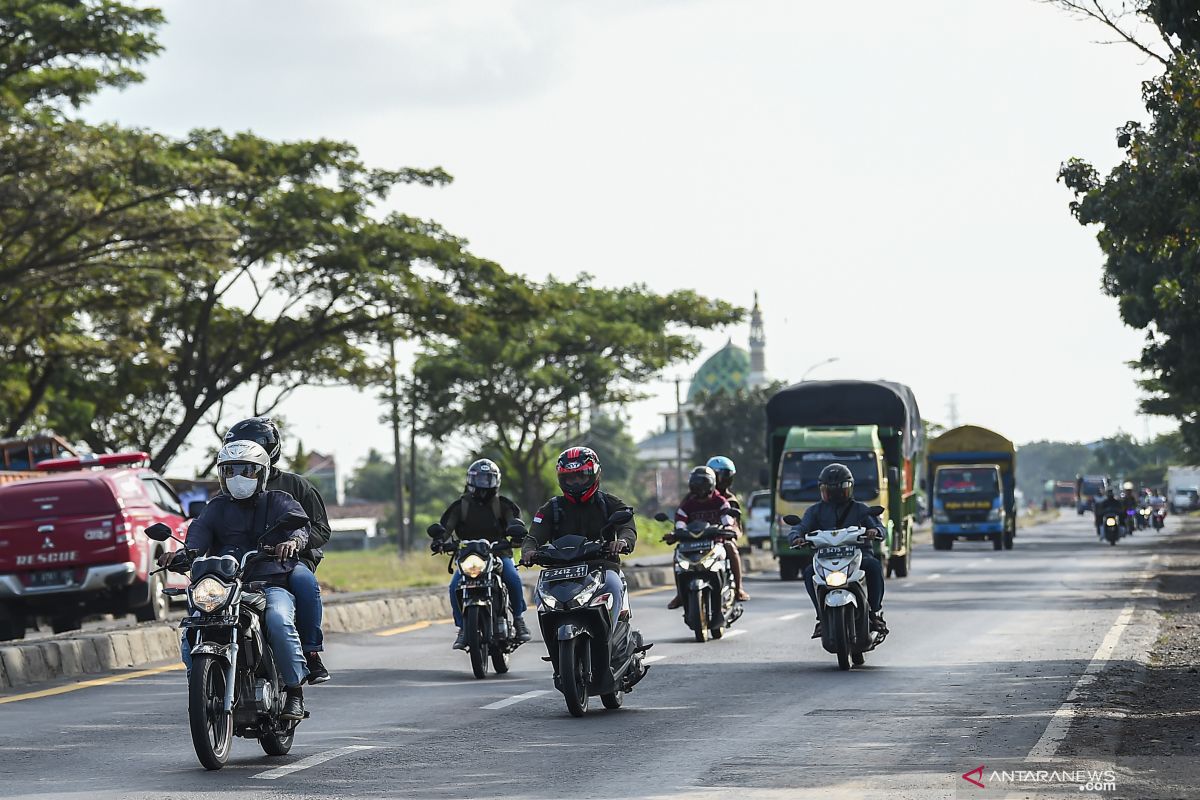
(705, 504)
(582, 509)
(482, 513)
(1129, 503)
(838, 509)
(1109, 505)
(724, 470)
(303, 580)
(233, 523)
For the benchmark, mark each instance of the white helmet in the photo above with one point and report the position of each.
(242, 468)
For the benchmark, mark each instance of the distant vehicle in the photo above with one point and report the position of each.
(72, 542)
(1183, 488)
(1065, 495)
(973, 489)
(1185, 499)
(757, 523)
(1088, 490)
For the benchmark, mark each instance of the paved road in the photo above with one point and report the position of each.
(985, 648)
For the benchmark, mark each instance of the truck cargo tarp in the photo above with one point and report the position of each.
(883, 403)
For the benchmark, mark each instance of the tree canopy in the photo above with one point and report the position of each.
(734, 424)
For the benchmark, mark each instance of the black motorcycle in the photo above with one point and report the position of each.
(487, 613)
(234, 687)
(1157, 518)
(590, 642)
(1112, 526)
(704, 577)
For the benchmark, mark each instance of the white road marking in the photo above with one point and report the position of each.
(933, 577)
(737, 632)
(652, 659)
(517, 698)
(1047, 746)
(972, 564)
(790, 617)
(311, 761)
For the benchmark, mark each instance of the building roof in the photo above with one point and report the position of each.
(726, 370)
(359, 511)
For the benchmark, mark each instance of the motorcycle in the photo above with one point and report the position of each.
(234, 687)
(1143, 518)
(585, 620)
(1158, 518)
(704, 578)
(1112, 527)
(487, 613)
(842, 591)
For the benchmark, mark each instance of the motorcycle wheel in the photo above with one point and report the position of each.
(841, 635)
(212, 728)
(278, 743)
(476, 643)
(699, 615)
(1008, 541)
(500, 659)
(570, 677)
(998, 541)
(613, 700)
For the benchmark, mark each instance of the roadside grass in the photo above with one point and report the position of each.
(384, 568)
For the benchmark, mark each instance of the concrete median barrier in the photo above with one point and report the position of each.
(80, 653)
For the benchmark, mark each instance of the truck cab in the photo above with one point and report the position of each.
(968, 504)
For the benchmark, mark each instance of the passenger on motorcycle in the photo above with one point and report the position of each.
(838, 509)
(1109, 505)
(303, 580)
(582, 509)
(483, 513)
(233, 523)
(705, 503)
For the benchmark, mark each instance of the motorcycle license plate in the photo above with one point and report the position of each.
(564, 573)
(469, 584)
(838, 552)
(695, 547)
(54, 577)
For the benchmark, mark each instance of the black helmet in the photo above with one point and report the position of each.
(578, 473)
(837, 483)
(702, 481)
(258, 429)
(483, 479)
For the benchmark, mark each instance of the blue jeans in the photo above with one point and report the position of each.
(281, 633)
(874, 574)
(304, 587)
(516, 592)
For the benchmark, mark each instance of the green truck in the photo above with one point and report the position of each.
(875, 429)
(972, 491)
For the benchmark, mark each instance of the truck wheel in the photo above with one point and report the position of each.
(942, 543)
(789, 568)
(1008, 541)
(156, 610)
(998, 541)
(64, 624)
(12, 624)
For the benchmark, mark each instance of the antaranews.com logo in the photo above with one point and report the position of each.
(1088, 780)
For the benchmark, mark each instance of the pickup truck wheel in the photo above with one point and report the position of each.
(156, 610)
(898, 565)
(998, 541)
(942, 543)
(12, 624)
(64, 624)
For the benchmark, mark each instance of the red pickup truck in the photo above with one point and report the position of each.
(73, 542)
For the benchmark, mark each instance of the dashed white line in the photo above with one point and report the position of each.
(311, 761)
(933, 577)
(737, 632)
(508, 701)
(790, 617)
(652, 659)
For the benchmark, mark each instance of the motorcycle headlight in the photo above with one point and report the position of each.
(835, 579)
(209, 594)
(472, 566)
(585, 595)
(1110, 522)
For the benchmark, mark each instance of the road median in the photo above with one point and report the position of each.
(80, 653)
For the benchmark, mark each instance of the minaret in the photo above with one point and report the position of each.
(758, 347)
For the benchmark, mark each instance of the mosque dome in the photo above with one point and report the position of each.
(727, 370)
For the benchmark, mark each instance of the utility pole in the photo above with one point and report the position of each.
(397, 453)
(953, 408)
(678, 439)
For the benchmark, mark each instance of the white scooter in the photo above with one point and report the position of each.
(841, 586)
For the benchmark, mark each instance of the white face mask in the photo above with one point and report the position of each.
(241, 487)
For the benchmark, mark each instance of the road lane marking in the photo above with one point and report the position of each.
(74, 687)
(652, 659)
(1060, 722)
(933, 577)
(736, 632)
(311, 761)
(641, 592)
(790, 617)
(518, 698)
(416, 626)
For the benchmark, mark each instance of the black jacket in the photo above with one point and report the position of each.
(824, 516)
(302, 490)
(561, 517)
(235, 527)
(481, 520)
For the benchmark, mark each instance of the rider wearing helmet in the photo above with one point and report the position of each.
(705, 503)
(724, 470)
(1129, 502)
(483, 513)
(303, 580)
(838, 509)
(1111, 504)
(234, 523)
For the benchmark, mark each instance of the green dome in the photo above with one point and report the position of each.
(727, 370)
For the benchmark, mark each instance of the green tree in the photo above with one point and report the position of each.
(373, 479)
(536, 351)
(734, 424)
(608, 435)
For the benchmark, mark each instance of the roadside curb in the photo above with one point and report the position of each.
(71, 654)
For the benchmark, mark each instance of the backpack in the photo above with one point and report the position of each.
(501, 512)
(556, 511)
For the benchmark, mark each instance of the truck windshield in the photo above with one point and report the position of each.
(1092, 487)
(967, 481)
(800, 470)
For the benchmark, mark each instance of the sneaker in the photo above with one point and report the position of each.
(743, 595)
(676, 602)
(817, 630)
(316, 670)
(522, 630)
(294, 707)
(461, 642)
(877, 622)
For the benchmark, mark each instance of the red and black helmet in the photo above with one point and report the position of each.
(578, 473)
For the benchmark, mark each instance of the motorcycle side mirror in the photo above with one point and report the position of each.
(662, 517)
(291, 521)
(158, 532)
(791, 519)
(620, 517)
(195, 508)
(436, 530)
(875, 510)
